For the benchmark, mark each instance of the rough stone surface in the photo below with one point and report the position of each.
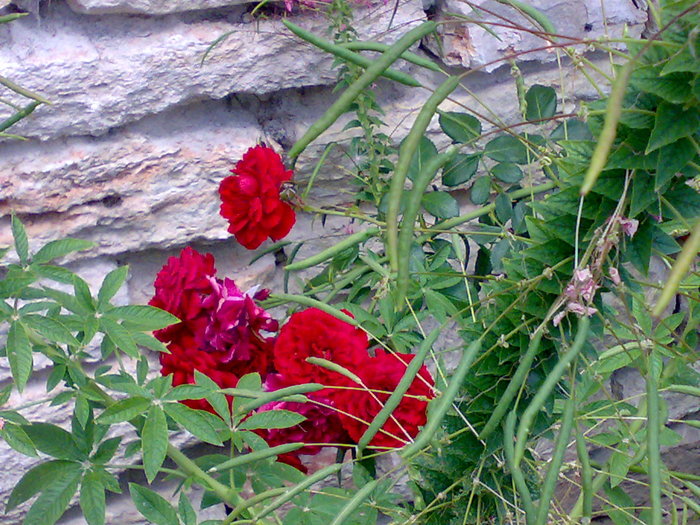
(104, 72)
(473, 46)
(150, 7)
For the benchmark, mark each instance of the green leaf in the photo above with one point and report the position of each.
(683, 61)
(55, 497)
(460, 169)
(54, 273)
(143, 316)
(673, 158)
(120, 336)
(92, 499)
(272, 419)
(193, 421)
(507, 148)
(426, 150)
(572, 129)
(460, 127)
(18, 439)
(82, 293)
(19, 353)
(672, 123)
(150, 342)
(674, 87)
(187, 513)
(36, 478)
(21, 240)
(124, 410)
(481, 189)
(55, 249)
(507, 172)
(504, 208)
(619, 466)
(50, 329)
(440, 204)
(184, 392)
(111, 285)
(154, 442)
(643, 194)
(541, 102)
(106, 450)
(153, 506)
(54, 441)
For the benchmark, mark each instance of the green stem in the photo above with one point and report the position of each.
(586, 475)
(515, 471)
(653, 429)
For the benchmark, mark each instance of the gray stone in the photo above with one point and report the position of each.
(473, 46)
(104, 72)
(150, 7)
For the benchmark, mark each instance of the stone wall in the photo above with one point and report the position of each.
(141, 131)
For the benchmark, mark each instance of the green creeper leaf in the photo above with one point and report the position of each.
(187, 513)
(82, 293)
(426, 150)
(681, 62)
(672, 123)
(143, 316)
(504, 208)
(18, 439)
(541, 102)
(481, 190)
(673, 158)
(506, 148)
(272, 419)
(55, 249)
(153, 506)
(572, 129)
(460, 169)
(111, 285)
(460, 127)
(92, 499)
(440, 204)
(19, 353)
(643, 194)
(124, 410)
(507, 172)
(36, 479)
(21, 240)
(685, 201)
(50, 329)
(120, 336)
(54, 441)
(154, 442)
(55, 497)
(619, 466)
(674, 87)
(193, 421)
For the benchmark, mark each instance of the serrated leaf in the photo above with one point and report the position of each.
(82, 293)
(55, 249)
(21, 241)
(150, 342)
(460, 127)
(185, 392)
(153, 506)
(143, 316)
(187, 513)
(54, 273)
(154, 442)
(272, 419)
(111, 284)
(5, 394)
(481, 189)
(672, 122)
(426, 150)
(124, 410)
(106, 450)
(19, 353)
(92, 499)
(50, 329)
(120, 336)
(541, 102)
(35, 479)
(507, 172)
(54, 441)
(506, 148)
(18, 439)
(440, 204)
(193, 421)
(55, 497)
(460, 169)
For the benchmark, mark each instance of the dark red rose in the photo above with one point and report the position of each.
(250, 199)
(180, 287)
(314, 333)
(381, 375)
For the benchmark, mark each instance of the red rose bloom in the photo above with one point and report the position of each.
(382, 374)
(314, 333)
(180, 287)
(250, 200)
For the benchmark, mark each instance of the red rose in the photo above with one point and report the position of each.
(381, 375)
(314, 333)
(250, 200)
(180, 288)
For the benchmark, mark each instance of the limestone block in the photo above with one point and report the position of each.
(104, 72)
(150, 7)
(473, 46)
